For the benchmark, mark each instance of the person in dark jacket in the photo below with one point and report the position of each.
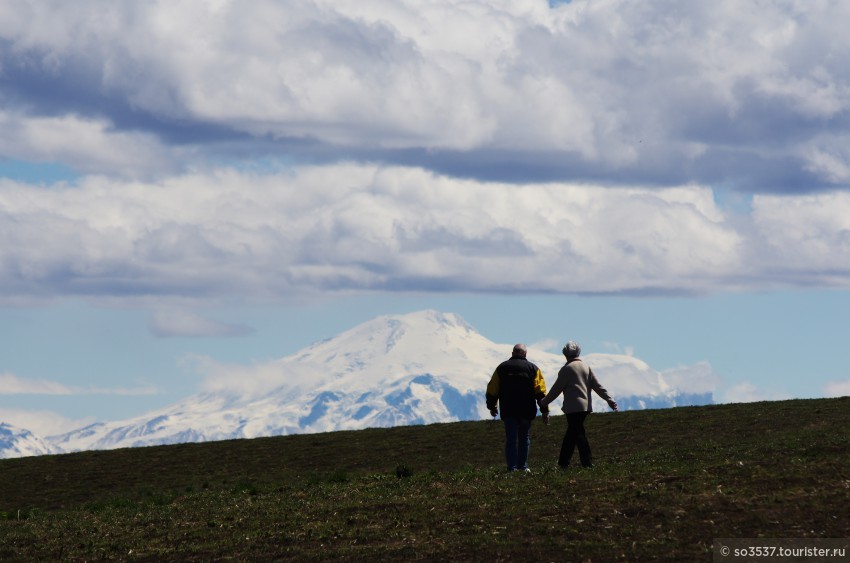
(516, 387)
(576, 381)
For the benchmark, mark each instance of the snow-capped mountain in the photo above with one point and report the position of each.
(418, 368)
(18, 442)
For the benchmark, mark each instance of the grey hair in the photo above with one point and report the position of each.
(571, 350)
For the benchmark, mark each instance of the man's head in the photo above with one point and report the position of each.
(520, 351)
(571, 350)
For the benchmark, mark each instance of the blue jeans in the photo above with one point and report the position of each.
(517, 442)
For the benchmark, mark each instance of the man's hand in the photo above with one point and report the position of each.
(494, 412)
(544, 410)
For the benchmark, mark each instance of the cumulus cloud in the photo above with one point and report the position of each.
(664, 92)
(810, 231)
(356, 227)
(88, 145)
(365, 227)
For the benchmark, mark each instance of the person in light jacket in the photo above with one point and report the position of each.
(576, 381)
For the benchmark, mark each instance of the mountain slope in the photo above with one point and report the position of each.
(418, 368)
(18, 442)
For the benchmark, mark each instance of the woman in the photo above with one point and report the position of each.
(576, 380)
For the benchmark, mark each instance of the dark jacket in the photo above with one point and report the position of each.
(516, 386)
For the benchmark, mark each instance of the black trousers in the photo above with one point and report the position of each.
(575, 436)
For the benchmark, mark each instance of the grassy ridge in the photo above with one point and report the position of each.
(666, 483)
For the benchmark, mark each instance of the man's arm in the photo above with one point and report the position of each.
(540, 394)
(492, 393)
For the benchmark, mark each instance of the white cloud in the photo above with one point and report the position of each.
(547, 344)
(42, 423)
(11, 384)
(87, 145)
(238, 379)
(830, 162)
(696, 378)
(747, 392)
(344, 227)
(181, 323)
(615, 348)
(626, 376)
(229, 233)
(804, 237)
(837, 388)
(744, 392)
(653, 87)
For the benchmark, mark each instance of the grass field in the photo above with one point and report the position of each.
(666, 483)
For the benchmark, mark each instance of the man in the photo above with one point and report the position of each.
(576, 381)
(517, 386)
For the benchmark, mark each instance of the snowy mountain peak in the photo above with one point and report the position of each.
(393, 370)
(393, 345)
(382, 334)
(18, 442)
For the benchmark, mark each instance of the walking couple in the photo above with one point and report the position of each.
(518, 388)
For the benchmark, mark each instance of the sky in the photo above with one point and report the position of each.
(190, 185)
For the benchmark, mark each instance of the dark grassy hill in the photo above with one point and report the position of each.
(666, 483)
